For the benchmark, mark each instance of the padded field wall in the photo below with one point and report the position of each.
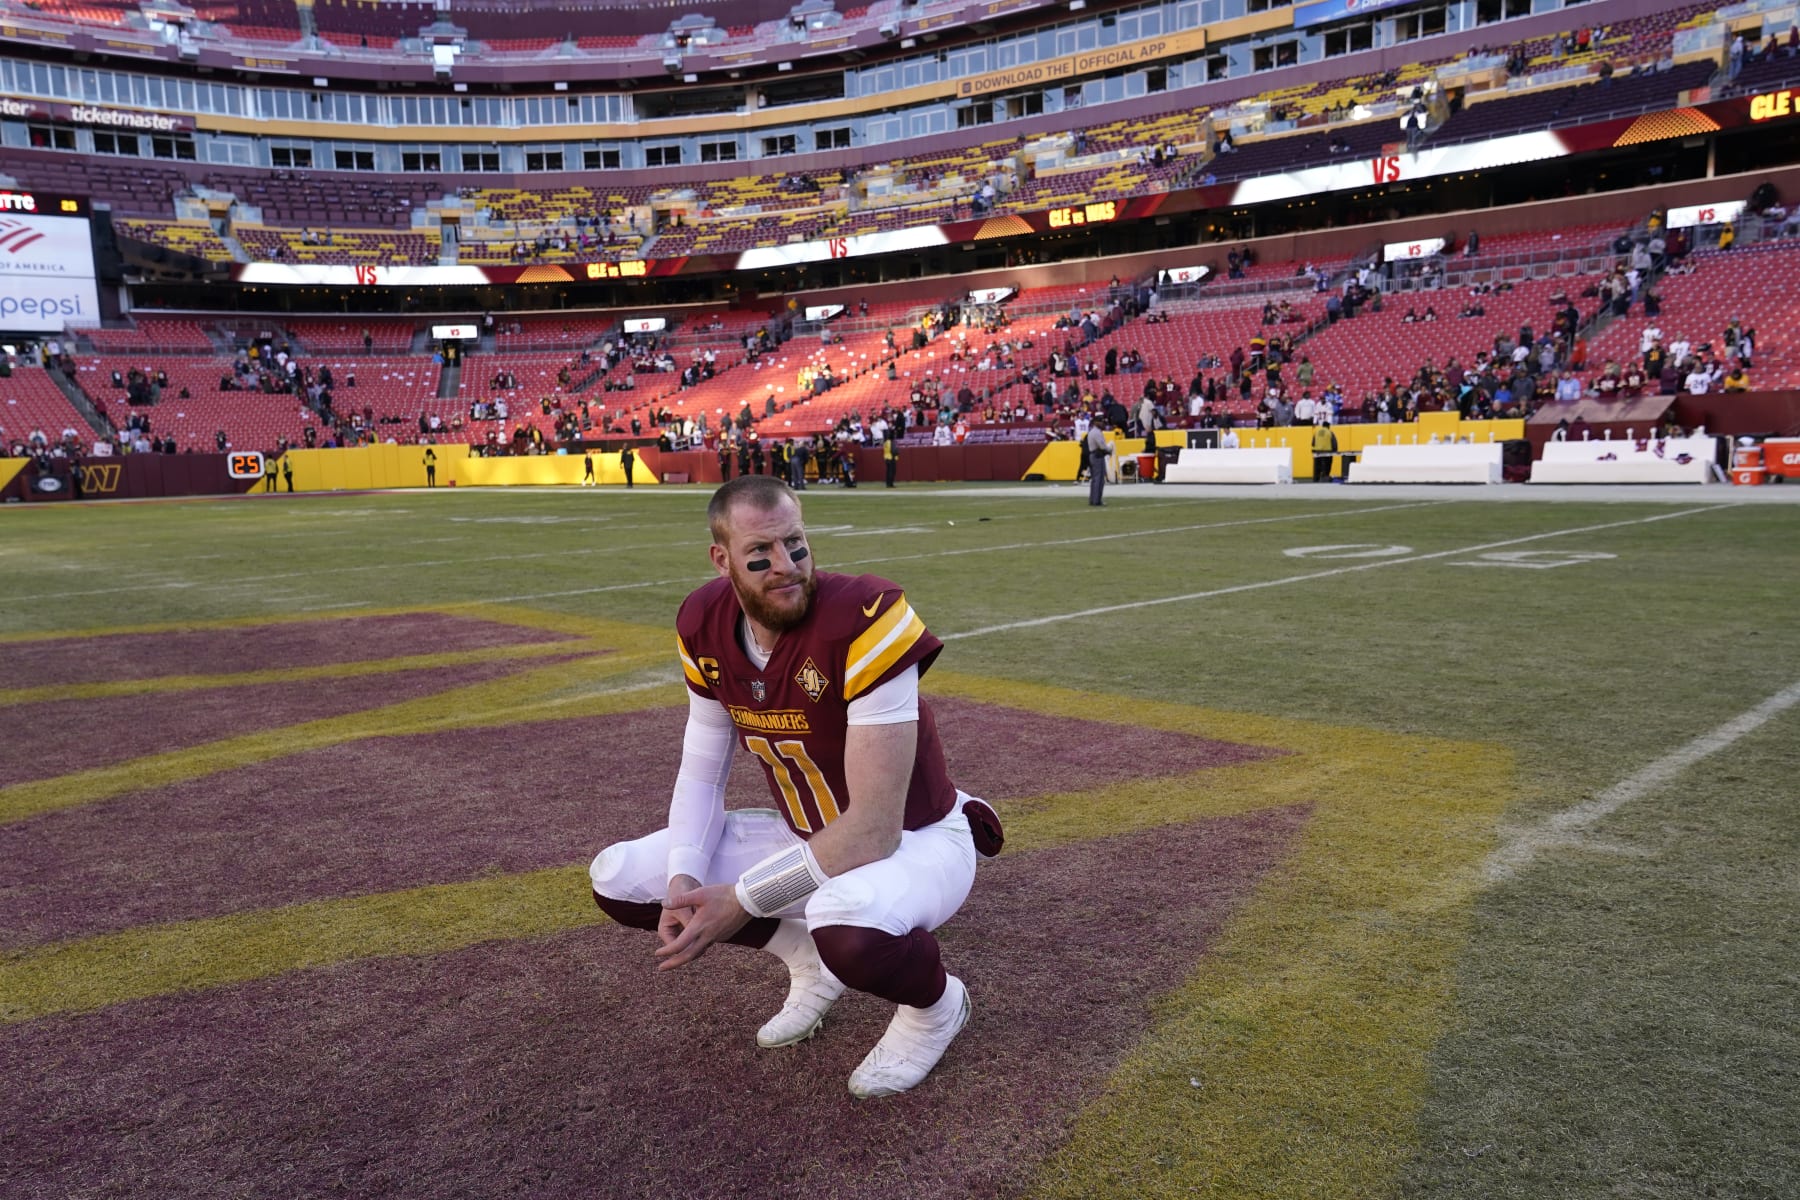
(133, 477)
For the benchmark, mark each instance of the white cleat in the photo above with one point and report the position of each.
(912, 1045)
(812, 990)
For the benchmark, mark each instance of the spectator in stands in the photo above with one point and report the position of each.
(1304, 410)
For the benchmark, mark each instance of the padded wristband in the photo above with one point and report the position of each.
(780, 881)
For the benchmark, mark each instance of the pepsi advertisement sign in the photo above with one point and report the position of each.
(46, 266)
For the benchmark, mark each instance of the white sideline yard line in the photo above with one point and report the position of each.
(585, 551)
(1566, 827)
(863, 562)
(1131, 533)
(474, 534)
(1311, 575)
(253, 580)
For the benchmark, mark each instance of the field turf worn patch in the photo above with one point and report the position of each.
(567, 1065)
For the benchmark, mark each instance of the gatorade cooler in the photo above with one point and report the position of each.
(1781, 458)
(1747, 456)
(1748, 476)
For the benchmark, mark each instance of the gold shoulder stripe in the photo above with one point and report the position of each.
(878, 631)
(903, 641)
(688, 667)
(871, 656)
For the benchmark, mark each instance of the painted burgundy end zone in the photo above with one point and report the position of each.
(398, 812)
(568, 1066)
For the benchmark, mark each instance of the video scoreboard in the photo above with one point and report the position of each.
(46, 263)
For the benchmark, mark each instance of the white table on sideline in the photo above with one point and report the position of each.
(1428, 462)
(1242, 465)
(1618, 460)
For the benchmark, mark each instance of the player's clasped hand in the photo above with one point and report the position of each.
(698, 918)
(674, 920)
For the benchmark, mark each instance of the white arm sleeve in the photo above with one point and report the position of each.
(697, 809)
(892, 703)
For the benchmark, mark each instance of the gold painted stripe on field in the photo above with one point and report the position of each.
(627, 634)
(620, 633)
(592, 686)
(158, 960)
(185, 626)
(1283, 733)
(113, 968)
(1307, 1029)
(342, 670)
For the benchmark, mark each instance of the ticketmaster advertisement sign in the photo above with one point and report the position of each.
(46, 273)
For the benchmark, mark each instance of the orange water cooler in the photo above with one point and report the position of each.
(1781, 458)
(1747, 468)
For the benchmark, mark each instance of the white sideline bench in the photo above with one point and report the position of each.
(1587, 461)
(1428, 462)
(1243, 465)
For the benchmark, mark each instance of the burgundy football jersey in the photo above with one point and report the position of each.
(792, 714)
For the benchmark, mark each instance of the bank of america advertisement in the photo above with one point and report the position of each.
(46, 273)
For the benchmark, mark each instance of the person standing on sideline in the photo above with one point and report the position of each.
(430, 467)
(1324, 444)
(1096, 450)
(287, 471)
(627, 460)
(587, 469)
(869, 847)
(269, 480)
(890, 454)
(798, 453)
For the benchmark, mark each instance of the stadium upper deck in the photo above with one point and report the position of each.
(1560, 79)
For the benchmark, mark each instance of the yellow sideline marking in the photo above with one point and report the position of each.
(1308, 1026)
(563, 690)
(105, 969)
(586, 633)
(480, 610)
(343, 670)
(588, 686)
(274, 618)
(157, 960)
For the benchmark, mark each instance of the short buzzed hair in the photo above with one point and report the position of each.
(762, 492)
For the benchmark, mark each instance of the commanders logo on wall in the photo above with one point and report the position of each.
(101, 479)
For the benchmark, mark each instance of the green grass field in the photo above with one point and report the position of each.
(1443, 989)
